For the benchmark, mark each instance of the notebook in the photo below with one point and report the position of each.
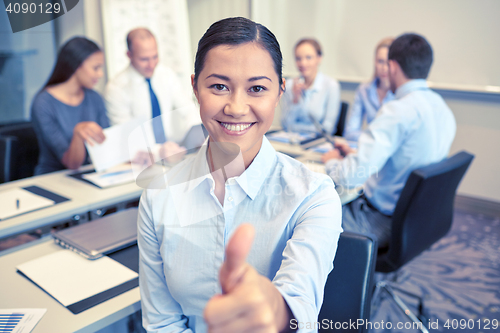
(105, 235)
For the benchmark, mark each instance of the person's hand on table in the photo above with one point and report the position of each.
(297, 89)
(90, 132)
(341, 150)
(250, 302)
(332, 154)
(172, 152)
(143, 158)
(343, 147)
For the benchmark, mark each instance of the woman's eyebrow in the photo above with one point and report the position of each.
(222, 77)
(256, 78)
(225, 78)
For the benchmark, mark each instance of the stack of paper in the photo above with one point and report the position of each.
(20, 320)
(70, 278)
(18, 201)
(116, 175)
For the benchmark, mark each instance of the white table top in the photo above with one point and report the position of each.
(18, 292)
(83, 196)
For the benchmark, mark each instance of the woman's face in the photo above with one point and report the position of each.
(381, 65)
(307, 60)
(91, 70)
(238, 90)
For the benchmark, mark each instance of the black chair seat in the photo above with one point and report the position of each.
(349, 286)
(18, 151)
(424, 211)
(423, 215)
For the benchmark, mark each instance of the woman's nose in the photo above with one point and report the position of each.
(236, 106)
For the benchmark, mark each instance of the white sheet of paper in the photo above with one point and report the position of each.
(114, 150)
(117, 175)
(23, 319)
(27, 202)
(70, 278)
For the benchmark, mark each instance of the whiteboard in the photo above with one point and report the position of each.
(167, 20)
(464, 35)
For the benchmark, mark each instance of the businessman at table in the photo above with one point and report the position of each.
(148, 89)
(414, 130)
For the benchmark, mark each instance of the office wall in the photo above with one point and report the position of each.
(27, 58)
(203, 13)
(83, 20)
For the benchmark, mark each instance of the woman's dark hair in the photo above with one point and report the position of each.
(313, 42)
(235, 31)
(413, 54)
(70, 57)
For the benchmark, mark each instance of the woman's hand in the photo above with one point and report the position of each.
(85, 131)
(341, 150)
(172, 152)
(250, 302)
(333, 154)
(90, 132)
(298, 88)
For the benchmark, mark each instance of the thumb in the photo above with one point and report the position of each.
(237, 250)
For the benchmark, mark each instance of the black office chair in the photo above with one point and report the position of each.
(18, 152)
(339, 131)
(349, 286)
(423, 215)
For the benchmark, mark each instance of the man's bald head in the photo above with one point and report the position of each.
(142, 51)
(138, 34)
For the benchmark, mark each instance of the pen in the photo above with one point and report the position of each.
(17, 203)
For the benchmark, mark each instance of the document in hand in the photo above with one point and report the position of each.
(115, 148)
(70, 278)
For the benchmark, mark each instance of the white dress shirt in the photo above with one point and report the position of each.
(412, 131)
(183, 231)
(321, 100)
(127, 97)
(366, 105)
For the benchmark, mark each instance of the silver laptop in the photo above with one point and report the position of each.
(97, 238)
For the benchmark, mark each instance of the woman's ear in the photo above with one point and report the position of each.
(282, 90)
(195, 89)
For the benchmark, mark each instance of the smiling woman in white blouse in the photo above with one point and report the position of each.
(243, 238)
(311, 94)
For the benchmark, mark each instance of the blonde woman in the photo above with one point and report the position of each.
(371, 95)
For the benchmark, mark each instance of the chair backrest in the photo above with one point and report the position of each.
(349, 286)
(339, 131)
(424, 211)
(18, 152)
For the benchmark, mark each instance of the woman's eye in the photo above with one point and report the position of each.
(257, 89)
(219, 87)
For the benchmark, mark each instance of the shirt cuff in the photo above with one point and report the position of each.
(333, 169)
(300, 322)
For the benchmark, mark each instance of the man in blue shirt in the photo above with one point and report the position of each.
(414, 130)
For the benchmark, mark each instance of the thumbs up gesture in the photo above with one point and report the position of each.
(250, 302)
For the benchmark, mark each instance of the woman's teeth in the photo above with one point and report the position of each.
(236, 128)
